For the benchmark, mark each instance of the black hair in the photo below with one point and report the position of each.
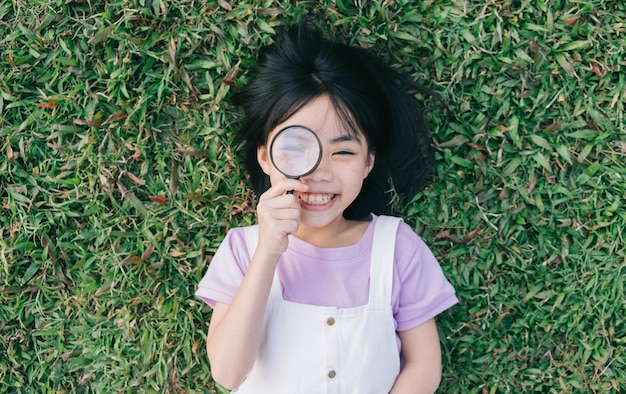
(368, 96)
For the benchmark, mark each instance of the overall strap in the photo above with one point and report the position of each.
(382, 259)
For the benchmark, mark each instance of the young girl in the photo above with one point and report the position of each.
(326, 295)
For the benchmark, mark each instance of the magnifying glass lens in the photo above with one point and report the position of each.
(295, 151)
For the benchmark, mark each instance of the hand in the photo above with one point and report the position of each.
(278, 215)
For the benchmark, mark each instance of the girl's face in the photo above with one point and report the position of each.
(345, 163)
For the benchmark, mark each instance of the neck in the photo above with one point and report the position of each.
(340, 233)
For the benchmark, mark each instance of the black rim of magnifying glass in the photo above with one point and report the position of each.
(319, 156)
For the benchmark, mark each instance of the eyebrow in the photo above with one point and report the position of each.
(345, 137)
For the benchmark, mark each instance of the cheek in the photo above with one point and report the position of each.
(355, 175)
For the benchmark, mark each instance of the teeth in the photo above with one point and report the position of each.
(316, 199)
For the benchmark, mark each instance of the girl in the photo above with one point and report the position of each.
(323, 295)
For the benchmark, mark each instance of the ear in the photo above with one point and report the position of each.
(369, 164)
(262, 157)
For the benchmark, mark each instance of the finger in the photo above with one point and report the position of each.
(285, 206)
(283, 187)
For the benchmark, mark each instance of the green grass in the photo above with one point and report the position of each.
(119, 178)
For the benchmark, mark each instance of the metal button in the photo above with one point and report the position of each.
(332, 374)
(330, 321)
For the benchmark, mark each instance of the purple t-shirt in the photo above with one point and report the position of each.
(339, 276)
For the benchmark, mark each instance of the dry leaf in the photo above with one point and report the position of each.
(66, 356)
(596, 70)
(129, 260)
(195, 346)
(158, 199)
(239, 208)
(10, 154)
(172, 50)
(80, 122)
(471, 234)
(174, 178)
(187, 81)
(445, 234)
(193, 152)
(231, 74)
(476, 146)
(82, 382)
(47, 105)
(62, 277)
(135, 179)
(224, 4)
(193, 196)
(116, 116)
(532, 185)
(176, 253)
(51, 255)
(154, 266)
(442, 234)
(146, 253)
(107, 187)
(89, 122)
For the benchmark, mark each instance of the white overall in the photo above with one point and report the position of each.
(313, 349)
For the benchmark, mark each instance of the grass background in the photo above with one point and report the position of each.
(119, 178)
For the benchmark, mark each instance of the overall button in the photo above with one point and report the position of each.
(330, 321)
(332, 374)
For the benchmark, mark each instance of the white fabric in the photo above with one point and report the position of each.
(357, 352)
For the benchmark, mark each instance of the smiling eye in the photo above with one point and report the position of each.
(344, 152)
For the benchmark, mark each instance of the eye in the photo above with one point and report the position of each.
(344, 153)
(291, 149)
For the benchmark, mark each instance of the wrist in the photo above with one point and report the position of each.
(266, 257)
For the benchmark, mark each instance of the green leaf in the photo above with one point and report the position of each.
(583, 134)
(462, 162)
(32, 269)
(567, 66)
(511, 167)
(542, 161)
(575, 45)
(405, 36)
(264, 26)
(563, 151)
(541, 142)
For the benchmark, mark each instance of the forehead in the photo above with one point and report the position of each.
(327, 121)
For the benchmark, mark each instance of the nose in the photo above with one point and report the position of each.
(323, 172)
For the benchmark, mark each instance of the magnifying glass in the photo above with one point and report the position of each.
(295, 151)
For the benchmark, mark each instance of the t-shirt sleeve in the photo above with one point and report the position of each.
(226, 270)
(423, 291)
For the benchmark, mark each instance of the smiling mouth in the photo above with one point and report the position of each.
(316, 199)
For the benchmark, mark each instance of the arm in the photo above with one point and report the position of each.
(235, 330)
(422, 354)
